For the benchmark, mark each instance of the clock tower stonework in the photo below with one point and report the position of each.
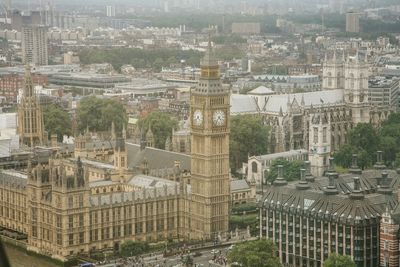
(210, 153)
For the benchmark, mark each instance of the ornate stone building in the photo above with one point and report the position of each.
(30, 119)
(296, 120)
(210, 153)
(114, 190)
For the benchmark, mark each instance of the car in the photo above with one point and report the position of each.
(197, 254)
(214, 251)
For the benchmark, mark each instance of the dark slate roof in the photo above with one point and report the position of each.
(156, 158)
(346, 205)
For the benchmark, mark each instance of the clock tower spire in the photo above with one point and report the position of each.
(210, 152)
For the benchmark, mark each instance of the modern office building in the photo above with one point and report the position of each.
(352, 22)
(354, 214)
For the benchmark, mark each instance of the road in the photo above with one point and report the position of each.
(160, 261)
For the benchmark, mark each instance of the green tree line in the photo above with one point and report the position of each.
(140, 58)
(364, 140)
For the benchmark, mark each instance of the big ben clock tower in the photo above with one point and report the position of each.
(210, 152)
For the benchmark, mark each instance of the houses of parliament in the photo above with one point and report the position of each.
(95, 195)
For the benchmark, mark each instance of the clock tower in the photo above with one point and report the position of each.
(210, 152)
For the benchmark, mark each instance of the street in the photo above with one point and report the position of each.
(159, 260)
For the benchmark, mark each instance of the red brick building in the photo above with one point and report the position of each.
(389, 241)
(11, 83)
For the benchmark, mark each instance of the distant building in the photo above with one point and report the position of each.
(242, 192)
(384, 93)
(34, 45)
(110, 11)
(71, 58)
(352, 22)
(246, 28)
(10, 84)
(256, 166)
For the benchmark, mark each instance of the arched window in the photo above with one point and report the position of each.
(338, 82)
(254, 166)
(361, 81)
(330, 79)
(351, 81)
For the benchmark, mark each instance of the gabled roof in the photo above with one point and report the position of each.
(261, 90)
(156, 158)
(242, 104)
(237, 185)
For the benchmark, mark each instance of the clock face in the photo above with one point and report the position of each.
(219, 118)
(197, 117)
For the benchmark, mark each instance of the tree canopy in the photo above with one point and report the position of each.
(161, 124)
(99, 113)
(249, 136)
(364, 140)
(140, 58)
(56, 121)
(132, 248)
(291, 169)
(337, 260)
(260, 253)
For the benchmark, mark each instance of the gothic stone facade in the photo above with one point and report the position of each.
(63, 213)
(317, 121)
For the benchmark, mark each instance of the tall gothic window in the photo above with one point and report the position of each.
(351, 81)
(315, 140)
(330, 79)
(254, 166)
(361, 81)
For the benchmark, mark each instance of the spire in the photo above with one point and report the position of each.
(123, 131)
(334, 56)
(28, 90)
(302, 100)
(357, 56)
(209, 59)
(343, 57)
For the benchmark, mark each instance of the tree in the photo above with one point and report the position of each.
(364, 136)
(337, 260)
(161, 124)
(132, 248)
(249, 136)
(99, 113)
(56, 121)
(260, 253)
(343, 156)
(291, 169)
(364, 141)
